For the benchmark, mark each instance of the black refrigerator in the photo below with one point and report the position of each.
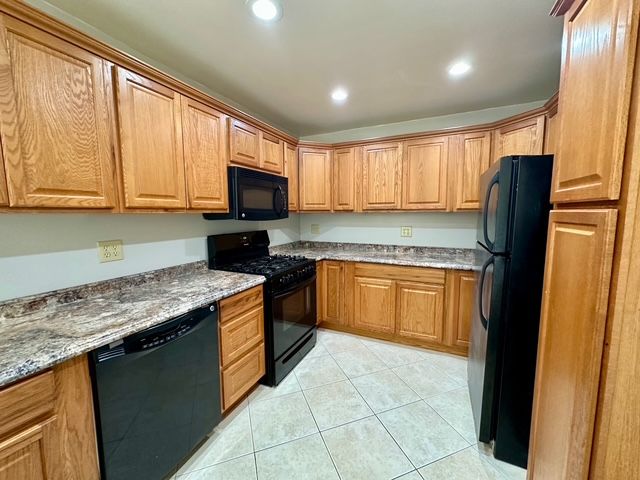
(510, 251)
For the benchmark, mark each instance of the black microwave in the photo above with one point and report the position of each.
(255, 195)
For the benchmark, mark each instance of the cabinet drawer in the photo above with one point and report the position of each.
(26, 401)
(241, 376)
(233, 306)
(407, 274)
(239, 335)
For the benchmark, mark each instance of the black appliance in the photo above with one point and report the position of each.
(157, 396)
(255, 195)
(289, 296)
(512, 233)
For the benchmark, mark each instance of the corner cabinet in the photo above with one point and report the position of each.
(54, 126)
(344, 179)
(521, 138)
(424, 174)
(205, 156)
(291, 172)
(151, 149)
(471, 156)
(315, 179)
(382, 176)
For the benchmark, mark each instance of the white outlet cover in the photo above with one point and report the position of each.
(315, 228)
(110, 251)
(406, 231)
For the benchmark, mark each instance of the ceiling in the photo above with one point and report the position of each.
(392, 55)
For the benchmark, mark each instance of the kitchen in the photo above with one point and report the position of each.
(351, 281)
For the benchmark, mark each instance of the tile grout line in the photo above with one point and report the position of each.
(253, 443)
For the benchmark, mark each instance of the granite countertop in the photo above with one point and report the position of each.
(451, 258)
(40, 331)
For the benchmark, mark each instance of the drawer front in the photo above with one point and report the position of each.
(241, 376)
(26, 401)
(233, 306)
(239, 335)
(394, 272)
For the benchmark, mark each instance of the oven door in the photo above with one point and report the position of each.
(294, 314)
(260, 196)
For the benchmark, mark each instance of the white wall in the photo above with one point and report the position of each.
(435, 229)
(39, 253)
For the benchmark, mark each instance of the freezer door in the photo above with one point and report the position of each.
(493, 220)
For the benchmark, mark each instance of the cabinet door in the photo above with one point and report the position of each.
(461, 290)
(420, 311)
(23, 455)
(472, 156)
(244, 144)
(333, 292)
(424, 170)
(315, 179)
(574, 310)
(381, 176)
(150, 143)
(600, 38)
(53, 122)
(4, 195)
(551, 132)
(523, 138)
(291, 172)
(344, 179)
(271, 153)
(374, 304)
(205, 156)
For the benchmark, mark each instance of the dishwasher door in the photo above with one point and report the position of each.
(157, 396)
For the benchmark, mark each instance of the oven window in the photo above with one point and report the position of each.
(294, 314)
(256, 198)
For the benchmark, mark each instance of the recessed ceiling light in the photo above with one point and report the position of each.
(339, 95)
(267, 10)
(459, 68)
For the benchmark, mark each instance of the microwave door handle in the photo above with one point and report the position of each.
(483, 319)
(485, 211)
(278, 200)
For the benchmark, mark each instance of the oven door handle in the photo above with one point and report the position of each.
(295, 287)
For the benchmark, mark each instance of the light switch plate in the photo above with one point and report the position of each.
(406, 231)
(110, 251)
(315, 228)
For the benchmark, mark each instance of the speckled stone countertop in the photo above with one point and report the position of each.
(40, 331)
(452, 258)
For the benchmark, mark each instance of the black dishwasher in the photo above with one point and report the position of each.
(157, 396)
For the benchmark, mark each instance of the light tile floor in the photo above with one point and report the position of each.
(354, 409)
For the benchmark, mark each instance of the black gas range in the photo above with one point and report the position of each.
(289, 295)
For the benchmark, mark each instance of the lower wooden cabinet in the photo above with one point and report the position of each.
(242, 353)
(47, 428)
(461, 294)
(332, 288)
(420, 311)
(374, 304)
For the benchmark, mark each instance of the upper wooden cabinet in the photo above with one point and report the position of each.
(244, 143)
(205, 155)
(53, 122)
(424, 174)
(522, 138)
(600, 38)
(291, 172)
(315, 179)
(471, 156)
(271, 153)
(344, 179)
(551, 132)
(381, 176)
(572, 330)
(151, 147)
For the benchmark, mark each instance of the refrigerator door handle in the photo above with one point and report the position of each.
(494, 181)
(483, 319)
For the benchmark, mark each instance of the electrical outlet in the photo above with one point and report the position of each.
(110, 251)
(315, 228)
(406, 231)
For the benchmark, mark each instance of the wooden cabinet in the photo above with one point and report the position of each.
(521, 138)
(551, 132)
(4, 195)
(424, 174)
(242, 351)
(244, 144)
(600, 40)
(291, 172)
(271, 153)
(333, 292)
(47, 426)
(151, 148)
(205, 156)
(574, 310)
(375, 304)
(461, 292)
(471, 157)
(344, 179)
(54, 126)
(420, 311)
(315, 179)
(381, 176)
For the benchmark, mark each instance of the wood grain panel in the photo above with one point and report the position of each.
(424, 174)
(471, 157)
(232, 307)
(344, 179)
(241, 334)
(578, 266)
(420, 311)
(151, 146)
(551, 132)
(461, 291)
(395, 272)
(599, 50)
(522, 138)
(26, 401)
(53, 122)
(244, 143)
(205, 156)
(22, 456)
(4, 194)
(271, 153)
(333, 292)
(375, 304)
(315, 179)
(291, 172)
(381, 176)
(242, 375)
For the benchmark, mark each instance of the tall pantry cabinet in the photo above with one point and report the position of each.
(586, 414)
